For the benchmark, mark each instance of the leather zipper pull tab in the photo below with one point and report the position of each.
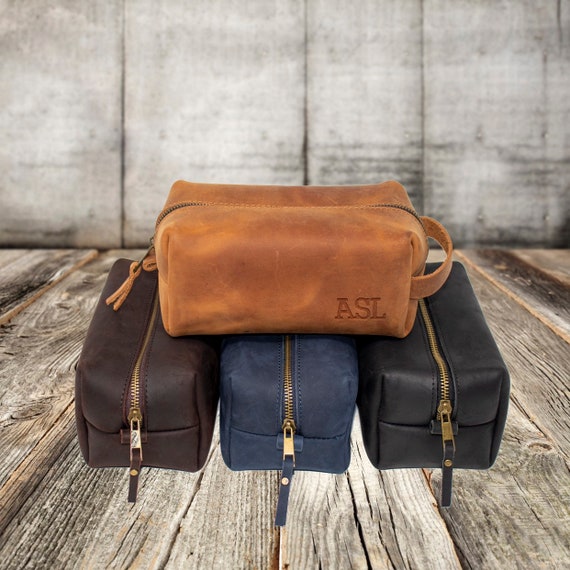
(447, 476)
(444, 411)
(121, 294)
(287, 471)
(136, 455)
(284, 488)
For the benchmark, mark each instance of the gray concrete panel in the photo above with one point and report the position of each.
(60, 123)
(364, 110)
(497, 119)
(214, 93)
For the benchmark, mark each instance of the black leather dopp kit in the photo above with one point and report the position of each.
(439, 397)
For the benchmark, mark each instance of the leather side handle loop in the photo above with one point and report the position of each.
(426, 285)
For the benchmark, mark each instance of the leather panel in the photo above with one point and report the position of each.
(176, 449)
(245, 451)
(404, 446)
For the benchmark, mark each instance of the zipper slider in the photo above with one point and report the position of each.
(136, 456)
(120, 295)
(288, 439)
(444, 411)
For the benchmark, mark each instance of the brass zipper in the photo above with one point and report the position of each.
(445, 407)
(288, 425)
(135, 416)
(179, 205)
(175, 207)
(403, 208)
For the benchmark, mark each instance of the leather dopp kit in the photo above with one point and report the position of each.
(439, 397)
(292, 304)
(276, 259)
(287, 402)
(143, 398)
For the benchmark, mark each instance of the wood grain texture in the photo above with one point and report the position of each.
(364, 93)
(497, 158)
(517, 514)
(230, 522)
(27, 274)
(38, 352)
(60, 123)
(55, 512)
(78, 517)
(214, 93)
(366, 519)
(541, 292)
(554, 262)
(538, 362)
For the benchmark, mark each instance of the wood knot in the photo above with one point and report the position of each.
(31, 411)
(539, 446)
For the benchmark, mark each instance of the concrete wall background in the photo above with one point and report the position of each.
(104, 104)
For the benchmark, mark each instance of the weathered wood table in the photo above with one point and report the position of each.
(55, 512)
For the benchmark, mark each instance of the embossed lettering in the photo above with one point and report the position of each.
(343, 309)
(362, 303)
(361, 308)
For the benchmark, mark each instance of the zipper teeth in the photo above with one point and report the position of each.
(175, 207)
(405, 209)
(135, 378)
(288, 381)
(435, 351)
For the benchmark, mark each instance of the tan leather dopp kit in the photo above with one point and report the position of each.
(238, 259)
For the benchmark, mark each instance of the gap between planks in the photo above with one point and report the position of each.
(512, 295)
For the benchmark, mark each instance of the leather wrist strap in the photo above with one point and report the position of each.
(426, 285)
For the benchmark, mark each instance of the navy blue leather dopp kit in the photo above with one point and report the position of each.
(436, 397)
(287, 402)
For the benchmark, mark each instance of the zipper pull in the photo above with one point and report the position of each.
(444, 411)
(136, 456)
(120, 295)
(287, 471)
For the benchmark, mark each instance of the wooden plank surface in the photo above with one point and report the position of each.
(214, 93)
(60, 123)
(27, 274)
(56, 512)
(496, 110)
(39, 349)
(545, 293)
(538, 361)
(518, 513)
(364, 93)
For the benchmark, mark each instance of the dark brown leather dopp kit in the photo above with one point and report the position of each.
(128, 362)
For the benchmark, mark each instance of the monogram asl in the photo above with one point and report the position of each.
(361, 308)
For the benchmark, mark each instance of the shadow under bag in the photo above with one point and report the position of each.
(287, 402)
(141, 396)
(439, 397)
